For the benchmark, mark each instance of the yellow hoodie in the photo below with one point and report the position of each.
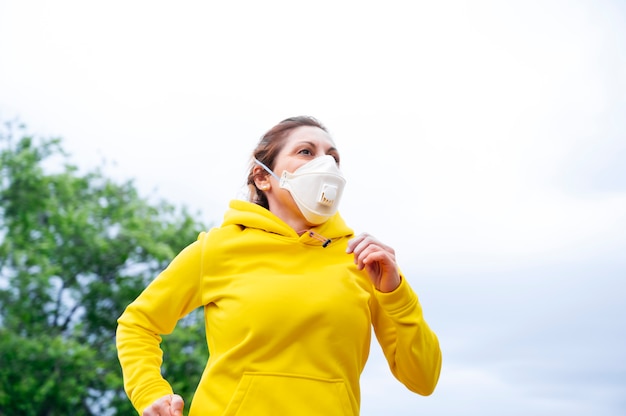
(288, 321)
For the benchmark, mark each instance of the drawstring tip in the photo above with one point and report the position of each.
(325, 241)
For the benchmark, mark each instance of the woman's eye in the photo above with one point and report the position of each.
(334, 156)
(305, 152)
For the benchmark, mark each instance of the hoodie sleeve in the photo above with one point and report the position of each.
(173, 294)
(410, 346)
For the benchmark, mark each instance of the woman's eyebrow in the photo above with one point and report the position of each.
(310, 143)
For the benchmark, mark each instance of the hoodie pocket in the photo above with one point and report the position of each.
(261, 394)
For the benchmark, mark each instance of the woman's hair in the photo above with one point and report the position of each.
(269, 147)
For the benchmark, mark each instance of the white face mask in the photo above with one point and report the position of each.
(316, 187)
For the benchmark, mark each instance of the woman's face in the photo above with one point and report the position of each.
(302, 145)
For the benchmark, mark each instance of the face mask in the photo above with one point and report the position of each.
(316, 187)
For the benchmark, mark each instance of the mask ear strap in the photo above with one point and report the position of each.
(258, 162)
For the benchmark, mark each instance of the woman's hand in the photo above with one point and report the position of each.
(378, 259)
(170, 405)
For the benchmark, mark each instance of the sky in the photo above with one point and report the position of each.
(485, 141)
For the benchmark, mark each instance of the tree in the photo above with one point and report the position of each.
(75, 249)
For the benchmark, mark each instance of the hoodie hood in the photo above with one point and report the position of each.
(249, 215)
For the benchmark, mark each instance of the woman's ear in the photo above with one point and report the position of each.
(261, 178)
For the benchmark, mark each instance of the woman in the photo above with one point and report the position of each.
(290, 296)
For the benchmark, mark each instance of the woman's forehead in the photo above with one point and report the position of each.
(311, 135)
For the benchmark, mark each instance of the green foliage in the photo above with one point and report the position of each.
(75, 249)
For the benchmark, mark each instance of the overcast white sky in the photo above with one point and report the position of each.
(484, 140)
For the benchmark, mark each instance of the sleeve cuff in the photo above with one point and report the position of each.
(398, 301)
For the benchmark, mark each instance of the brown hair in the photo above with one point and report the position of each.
(269, 147)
